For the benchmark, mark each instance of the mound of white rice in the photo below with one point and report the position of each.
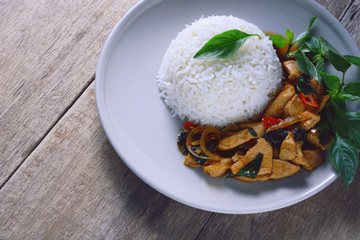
(219, 92)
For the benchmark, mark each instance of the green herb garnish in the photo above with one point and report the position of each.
(224, 45)
(304, 87)
(281, 42)
(251, 169)
(252, 131)
(313, 52)
(343, 125)
(344, 155)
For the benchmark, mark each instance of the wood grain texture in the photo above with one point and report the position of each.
(351, 20)
(75, 186)
(48, 55)
(331, 214)
(71, 184)
(335, 7)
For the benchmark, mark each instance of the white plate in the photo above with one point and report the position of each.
(140, 127)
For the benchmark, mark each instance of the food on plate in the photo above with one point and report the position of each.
(276, 131)
(219, 92)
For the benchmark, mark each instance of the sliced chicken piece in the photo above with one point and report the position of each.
(316, 86)
(288, 148)
(312, 159)
(283, 169)
(241, 137)
(299, 158)
(190, 162)
(294, 107)
(293, 70)
(276, 108)
(219, 169)
(239, 164)
(237, 156)
(280, 169)
(324, 99)
(313, 137)
(313, 119)
(263, 147)
(309, 159)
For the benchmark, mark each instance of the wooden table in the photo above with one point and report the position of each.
(59, 176)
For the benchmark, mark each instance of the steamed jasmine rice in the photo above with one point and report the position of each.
(219, 92)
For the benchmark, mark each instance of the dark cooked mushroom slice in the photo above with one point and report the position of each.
(314, 137)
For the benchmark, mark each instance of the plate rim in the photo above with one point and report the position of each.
(122, 25)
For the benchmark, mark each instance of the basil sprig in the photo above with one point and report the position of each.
(344, 125)
(313, 52)
(281, 41)
(224, 45)
(342, 148)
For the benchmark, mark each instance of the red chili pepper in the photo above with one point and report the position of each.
(189, 125)
(308, 99)
(270, 121)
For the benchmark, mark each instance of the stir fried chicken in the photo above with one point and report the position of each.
(286, 139)
(276, 108)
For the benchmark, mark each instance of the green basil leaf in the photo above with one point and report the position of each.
(344, 155)
(251, 169)
(353, 59)
(304, 48)
(253, 132)
(223, 45)
(279, 41)
(318, 60)
(306, 66)
(347, 124)
(328, 45)
(304, 35)
(289, 36)
(350, 91)
(331, 81)
(338, 61)
(304, 87)
(330, 113)
(315, 45)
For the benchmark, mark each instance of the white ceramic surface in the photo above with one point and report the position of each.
(140, 127)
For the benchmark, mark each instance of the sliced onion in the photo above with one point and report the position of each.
(204, 135)
(290, 120)
(189, 140)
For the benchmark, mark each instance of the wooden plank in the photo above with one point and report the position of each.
(336, 8)
(331, 214)
(75, 186)
(351, 20)
(48, 54)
